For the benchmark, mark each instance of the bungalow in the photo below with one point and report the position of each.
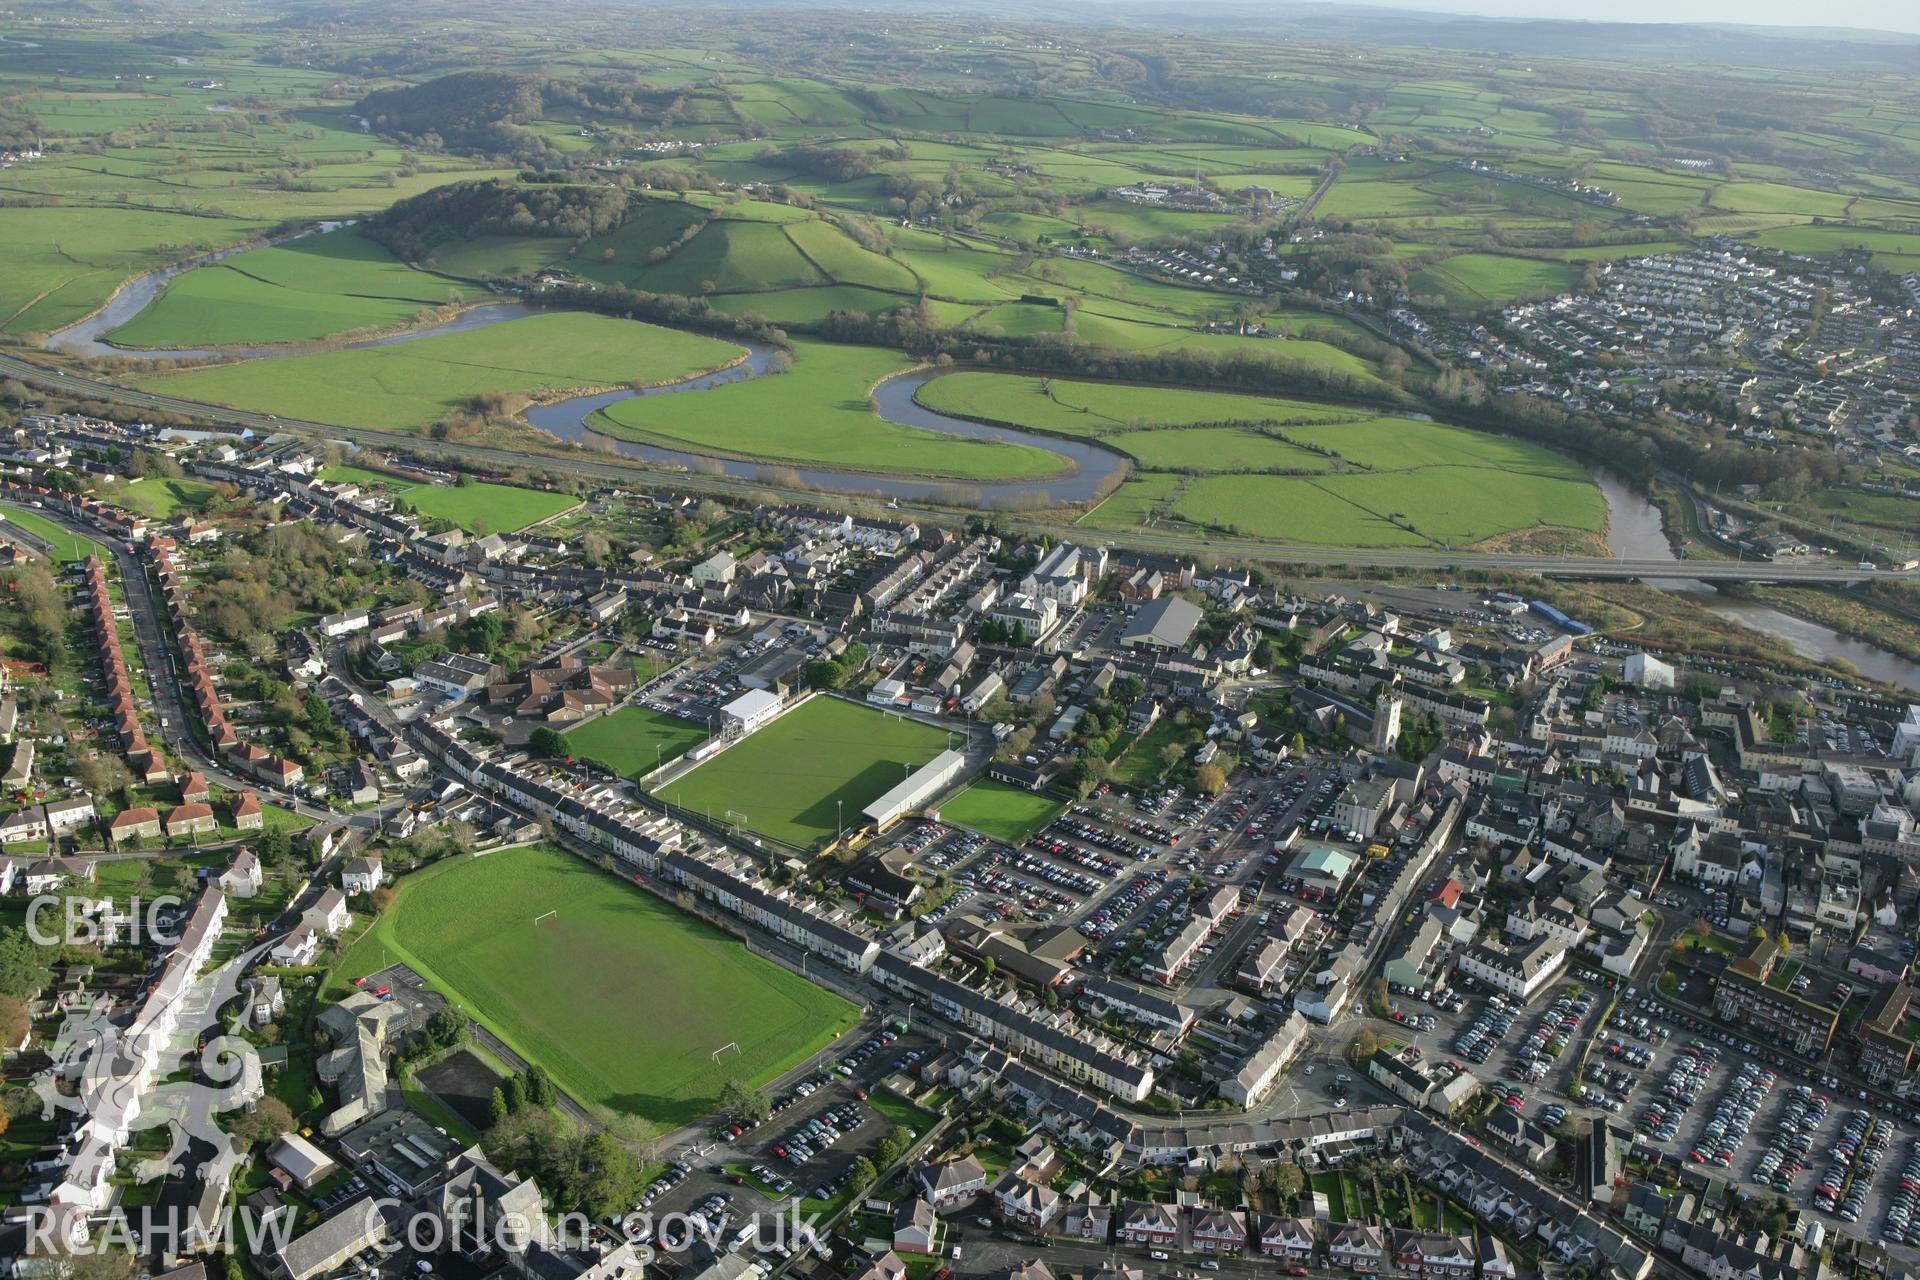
(301, 1161)
(915, 1228)
(49, 874)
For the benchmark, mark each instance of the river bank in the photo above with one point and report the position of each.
(1636, 531)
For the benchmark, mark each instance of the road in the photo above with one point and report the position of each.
(581, 463)
(153, 637)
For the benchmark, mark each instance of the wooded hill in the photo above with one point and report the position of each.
(414, 227)
(486, 113)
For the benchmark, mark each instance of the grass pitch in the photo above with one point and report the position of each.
(624, 741)
(620, 996)
(786, 777)
(998, 810)
(66, 546)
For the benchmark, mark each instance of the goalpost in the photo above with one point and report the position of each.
(729, 1045)
(546, 915)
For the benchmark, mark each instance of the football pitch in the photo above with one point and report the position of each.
(621, 996)
(784, 779)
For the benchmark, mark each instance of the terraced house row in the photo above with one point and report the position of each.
(117, 683)
(196, 679)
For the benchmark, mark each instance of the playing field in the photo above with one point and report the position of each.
(66, 546)
(786, 777)
(620, 996)
(998, 810)
(625, 741)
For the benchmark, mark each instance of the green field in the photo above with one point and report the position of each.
(1477, 281)
(481, 505)
(409, 384)
(346, 473)
(1216, 449)
(817, 412)
(1427, 506)
(1006, 813)
(625, 741)
(620, 996)
(1081, 408)
(1335, 475)
(157, 498)
(64, 262)
(1135, 502)
(297, 292)
(786, 777)
(496, 508)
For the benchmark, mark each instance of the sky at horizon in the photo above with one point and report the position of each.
(1878, 15)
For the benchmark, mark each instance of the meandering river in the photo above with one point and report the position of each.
(1084, 466)
(1634, 530)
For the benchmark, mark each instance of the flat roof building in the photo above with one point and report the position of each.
(749, 711)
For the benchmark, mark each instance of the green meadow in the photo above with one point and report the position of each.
(409, 384)
(817, 412)
(302, 291)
